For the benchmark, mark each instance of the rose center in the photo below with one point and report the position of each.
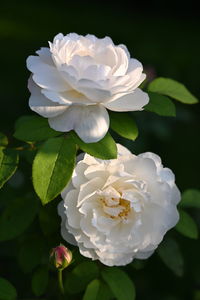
(116, 207)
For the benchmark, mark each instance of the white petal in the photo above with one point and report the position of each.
(41, 104)
(91, 123)
(67, 189)
(130, 102)
(59, 37)
(78, 176)
(106, 56)
(91, 160)
(87, 252)
(64, 231)
(88, 188)
(45, 55)
(176, 195)
(142, 168)
(152, 156)
(123, 150)
(92, 90)
(46, 76)
(95, 171)
(114, 259)
(122, 62)
(167, 175)
(94, 124)
(72, 212)
(67, 97)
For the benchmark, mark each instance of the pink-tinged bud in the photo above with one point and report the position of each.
(61, 257)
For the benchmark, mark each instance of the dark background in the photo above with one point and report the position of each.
(164, 36)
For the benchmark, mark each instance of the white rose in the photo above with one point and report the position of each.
(78, 77)
(120, 209)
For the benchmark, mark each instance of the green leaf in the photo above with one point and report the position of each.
(8, 164)
(31, 253)
(16, 218)
(104, 149)
(104, 292)
(171, 255)
(77, 280)
(23, 119)
(124, 125)
(160, 105)
(186, 225)
(52, 167)
(3, 140)
(40, 281)
(33, 128)
(92, 290)
(190, 198)
(119, 283)
(173, 89)
(7, 290)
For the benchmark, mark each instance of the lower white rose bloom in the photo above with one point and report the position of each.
(120, 209)
(78, 77)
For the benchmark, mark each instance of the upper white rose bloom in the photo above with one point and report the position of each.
(78, 77)
(120, 209)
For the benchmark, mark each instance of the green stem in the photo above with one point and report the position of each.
(60, 282)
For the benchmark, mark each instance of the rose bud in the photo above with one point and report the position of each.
(60, 257)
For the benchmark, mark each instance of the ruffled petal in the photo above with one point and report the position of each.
(45, 75)
(67, 97)
(41, 104)
(45, 55)
(91, 122)
(130, 102)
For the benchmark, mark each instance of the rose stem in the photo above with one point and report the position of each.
(60, 282)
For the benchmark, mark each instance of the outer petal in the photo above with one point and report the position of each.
(67, 97)
(45, 55)
(46, 76)
(123, 150)
(154, 157)
(91, 123)
(64, 232)
(130, 102)
(41, 104)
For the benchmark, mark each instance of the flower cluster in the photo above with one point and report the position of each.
(114, 210)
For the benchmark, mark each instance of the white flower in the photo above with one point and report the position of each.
(78, 77)
(120, 209)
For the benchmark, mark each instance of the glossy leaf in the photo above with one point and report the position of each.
(7, 290)
(124, 125)
(92, 290)
(16, 218)
(186, 225)
(8, 164)
(173, 89)
(33, 128)
(190, 198)
(104, 149)
(40, 281)
(120, 284)
(52, 167)
(160, 105)
(171, 255)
